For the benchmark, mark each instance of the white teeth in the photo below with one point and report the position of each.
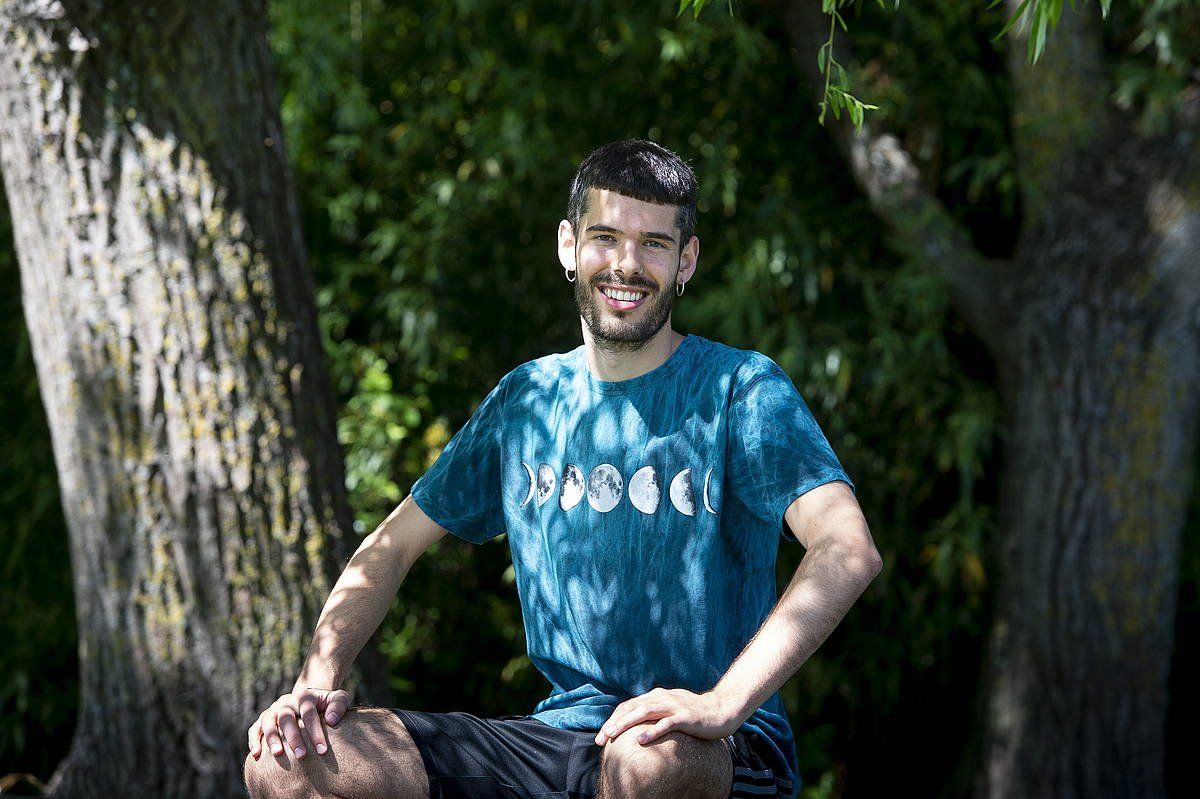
(624, 296)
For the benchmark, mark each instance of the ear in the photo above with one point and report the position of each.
(566, 245)
(689, 258)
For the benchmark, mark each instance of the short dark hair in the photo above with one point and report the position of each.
(640, 169)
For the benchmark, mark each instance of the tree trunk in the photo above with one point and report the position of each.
(171, 318)
(1101, 375)
(1095, 327)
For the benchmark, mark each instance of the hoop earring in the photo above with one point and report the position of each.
(570, 273)
(679, 289)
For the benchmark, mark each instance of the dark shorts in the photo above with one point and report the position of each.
(519, 757)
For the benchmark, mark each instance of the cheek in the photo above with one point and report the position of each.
(591, 259)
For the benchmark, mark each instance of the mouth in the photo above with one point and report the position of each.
(622, 299)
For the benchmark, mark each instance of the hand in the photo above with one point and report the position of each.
(307, 704)
(701, 715)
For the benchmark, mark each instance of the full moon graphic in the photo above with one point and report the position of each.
(532, 484)
(644, 490)
(682, 496)
(604, 487)
(545, 483)
(707, 506)
(572, 487)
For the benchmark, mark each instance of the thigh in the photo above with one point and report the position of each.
(515, 757)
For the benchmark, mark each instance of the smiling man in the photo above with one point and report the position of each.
(644, 480)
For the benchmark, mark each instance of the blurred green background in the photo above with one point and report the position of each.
(433, 145)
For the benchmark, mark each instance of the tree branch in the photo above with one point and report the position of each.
(891, 180)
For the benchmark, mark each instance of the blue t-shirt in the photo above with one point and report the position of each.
(643, 517)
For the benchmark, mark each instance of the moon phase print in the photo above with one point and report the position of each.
(546, 483)
(532, 485)
(682, 496)
(572, 487)
(708, 507)
(605, 488)
(644, 490)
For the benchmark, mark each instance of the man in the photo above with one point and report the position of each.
(644, 480)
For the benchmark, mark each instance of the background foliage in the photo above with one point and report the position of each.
(433, 145)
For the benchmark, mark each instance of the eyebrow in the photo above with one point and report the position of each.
(646, 235)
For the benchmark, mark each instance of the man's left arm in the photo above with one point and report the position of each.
(839, 561)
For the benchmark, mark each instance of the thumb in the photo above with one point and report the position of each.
(336, 703)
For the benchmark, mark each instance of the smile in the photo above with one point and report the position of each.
(622, 299)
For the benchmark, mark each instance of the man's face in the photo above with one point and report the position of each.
(625, 246)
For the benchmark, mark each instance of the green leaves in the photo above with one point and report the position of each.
(836, 98)
(697, 6)
(1045, 14)
(1042, 16)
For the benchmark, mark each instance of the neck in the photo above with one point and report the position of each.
(623, 360)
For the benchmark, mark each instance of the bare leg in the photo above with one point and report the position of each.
(370, 755)
(675, 766)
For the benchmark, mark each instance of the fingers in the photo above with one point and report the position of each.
(312, 702)
(663, 726)
(282, 721)
(336, 704)
(312, 722)
(286, 717)
(270, 731)
(277, 721)
(619, 722)
(254, 739)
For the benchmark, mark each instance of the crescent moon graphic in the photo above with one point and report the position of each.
(682, 496)
(532, 484)
(708, 507)
(644, 491)
(545, 483)
(604, 488)
(572, 487)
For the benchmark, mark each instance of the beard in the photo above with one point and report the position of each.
(622, 331)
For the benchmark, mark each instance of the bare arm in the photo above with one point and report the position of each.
(356, 606)
(362, 595)
(839, 562)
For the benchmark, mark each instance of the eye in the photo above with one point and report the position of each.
(656, 244)
(605, 237)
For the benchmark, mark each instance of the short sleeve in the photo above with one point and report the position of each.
(776, 449)
(462, 490)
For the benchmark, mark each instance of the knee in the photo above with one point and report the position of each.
(284, 776)
(674, 765)
(269, 777)
(365, 739)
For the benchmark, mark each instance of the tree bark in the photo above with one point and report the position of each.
(1101, 376)
(172, 322)
(1101, 393)
(1095, 327)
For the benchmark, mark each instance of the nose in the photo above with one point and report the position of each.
(629, 258)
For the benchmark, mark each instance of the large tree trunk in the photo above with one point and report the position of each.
(172, 323)
(1101, 375)
(1101, 388)
(1095, 327)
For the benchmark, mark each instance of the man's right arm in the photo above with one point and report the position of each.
(355, 608)
(364, 592)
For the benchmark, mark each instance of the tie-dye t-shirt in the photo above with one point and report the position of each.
(643, 517)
